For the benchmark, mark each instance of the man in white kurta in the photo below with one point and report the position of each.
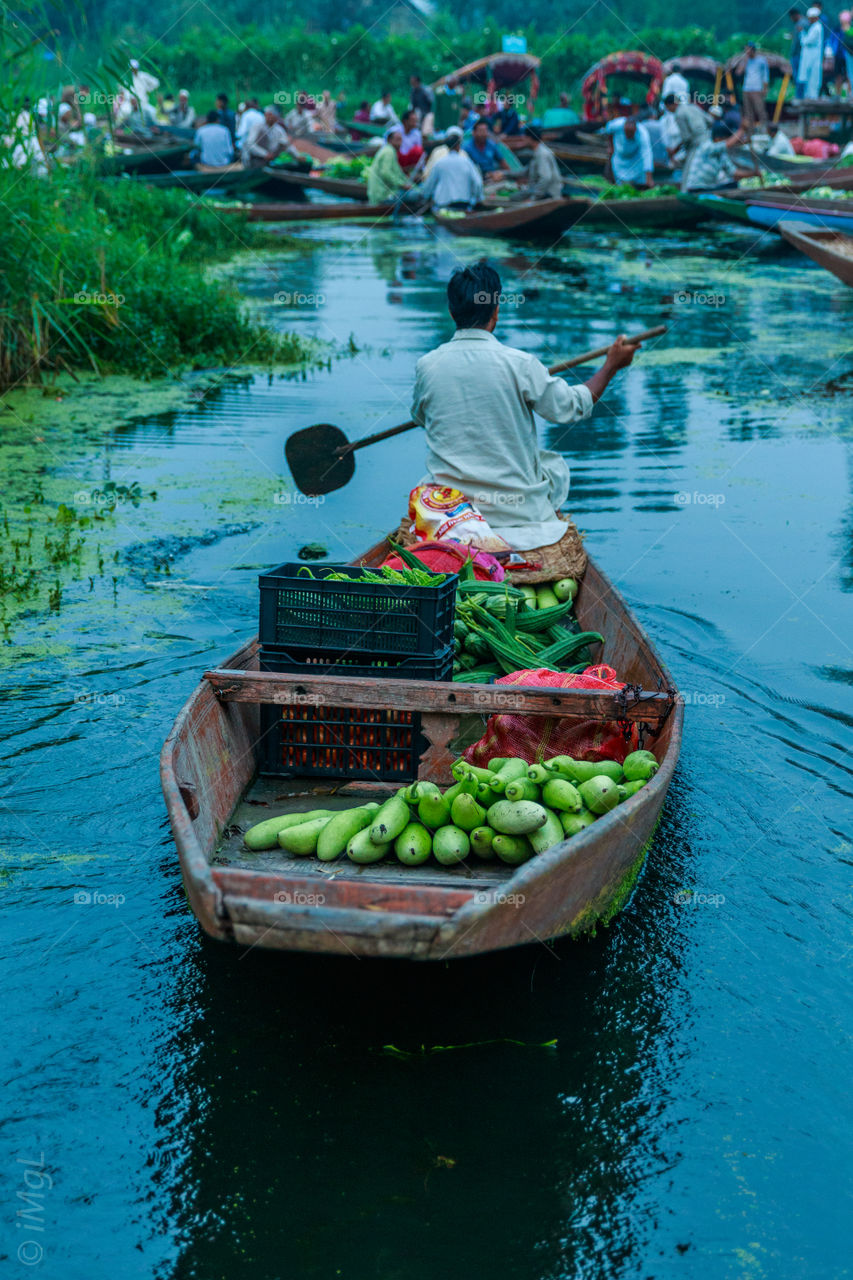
(477, 399)
(811, 55)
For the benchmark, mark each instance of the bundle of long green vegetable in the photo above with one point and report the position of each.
(415, 574)
(500, 629)
(511, 810)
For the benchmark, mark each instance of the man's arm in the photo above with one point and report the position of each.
(619, 356)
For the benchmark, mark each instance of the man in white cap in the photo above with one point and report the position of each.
(182, 114)
(454, 181)
(266, 141)
(811, 55)
(143, 83)
(675, 83)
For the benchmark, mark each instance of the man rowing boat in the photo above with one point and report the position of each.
(477, 399)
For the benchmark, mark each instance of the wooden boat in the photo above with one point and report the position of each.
(527, 219)
(830, 249)
(233, 178)
(313, 181)
(766, 209)
(310, 212)
(647, 211)
(144, 159)
(213, 793)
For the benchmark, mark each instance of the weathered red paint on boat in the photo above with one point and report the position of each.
(208, 761)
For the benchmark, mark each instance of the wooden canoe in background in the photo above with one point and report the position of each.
(309, 212)
(830, 249)
(528, 219)
(272, 900)
(347, 187)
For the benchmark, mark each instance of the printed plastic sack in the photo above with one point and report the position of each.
(449, 557)
(438, 513)
(535, 738)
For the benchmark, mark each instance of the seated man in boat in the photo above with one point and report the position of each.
(266, 141)
(477, 400)
(483, 150)
(544, 180)
(213, 145)
(711, 166)
(630, 152)
(385, 178)
(453, 181)
(182, 114)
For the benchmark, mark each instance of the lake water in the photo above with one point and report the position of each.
(205, 1113)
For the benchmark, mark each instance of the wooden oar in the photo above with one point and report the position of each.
(320, 457)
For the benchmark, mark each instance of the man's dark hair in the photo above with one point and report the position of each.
(415, 77)
(223, 98)
(720, 131)
(212, 117)
(669, 99)
(531, 132)
(480, 120)
(472, 295)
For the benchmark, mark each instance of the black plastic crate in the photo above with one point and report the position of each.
(386, 666)
(302, 739)
(313, 613)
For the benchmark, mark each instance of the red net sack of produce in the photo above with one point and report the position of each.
(534, 738)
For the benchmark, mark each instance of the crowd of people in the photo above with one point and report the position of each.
(444, 148)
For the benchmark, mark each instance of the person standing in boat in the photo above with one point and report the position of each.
(631, 157)
(477, 399)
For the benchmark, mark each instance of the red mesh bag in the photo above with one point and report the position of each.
(449, 557)
(535, 738)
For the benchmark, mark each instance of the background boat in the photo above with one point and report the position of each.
(830, 249)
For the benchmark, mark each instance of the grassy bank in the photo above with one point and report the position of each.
(110, 275)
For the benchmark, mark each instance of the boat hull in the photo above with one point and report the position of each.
(823, 247)
(208, 765)
(767, 211)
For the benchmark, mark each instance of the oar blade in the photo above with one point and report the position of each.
(315, 466)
